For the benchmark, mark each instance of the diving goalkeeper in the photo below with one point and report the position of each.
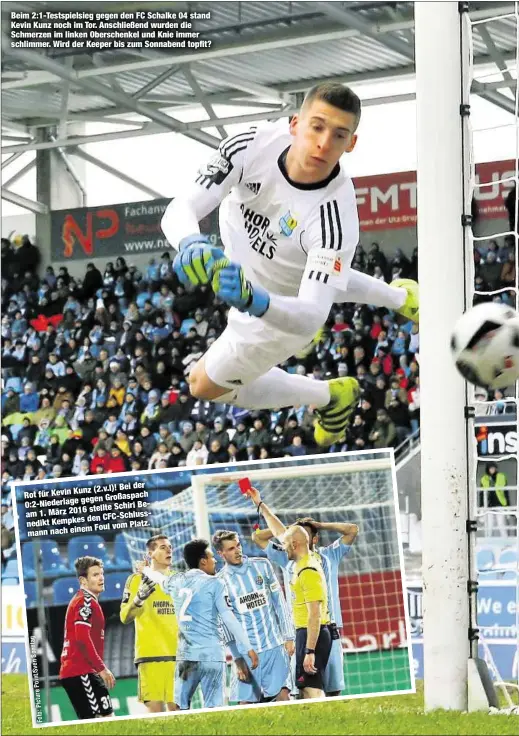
(289, 224)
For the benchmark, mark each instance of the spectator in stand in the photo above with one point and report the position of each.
(495, 497)
(106, 356)
(383, 433)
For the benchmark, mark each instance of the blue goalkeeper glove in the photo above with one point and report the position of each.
(230, 285)
(197, 259)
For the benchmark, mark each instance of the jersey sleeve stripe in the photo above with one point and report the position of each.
(331, 226)
(228, 151)
(247, 136)
(339, 227)
(318, 276)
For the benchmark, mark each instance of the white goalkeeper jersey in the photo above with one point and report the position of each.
(257, 601)
(281, 232)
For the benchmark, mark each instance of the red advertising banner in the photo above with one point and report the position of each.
(373, 611)
(388, 201)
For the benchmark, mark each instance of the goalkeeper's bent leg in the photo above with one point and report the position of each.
(364, 289)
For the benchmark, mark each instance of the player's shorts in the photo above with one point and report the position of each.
(322, 655)
(156, 681)
(266, 680)
(209, 675)
(247, 349)
(290, 682)
(89, 695)
(334, 673)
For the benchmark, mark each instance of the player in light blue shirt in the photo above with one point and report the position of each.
(330, 558)
(203, 610)
(258, 603)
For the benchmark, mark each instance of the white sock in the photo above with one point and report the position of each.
(278, 389)
(364, 289)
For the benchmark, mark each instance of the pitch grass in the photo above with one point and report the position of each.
(401, 714)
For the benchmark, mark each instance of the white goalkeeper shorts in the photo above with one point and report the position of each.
(247, 349)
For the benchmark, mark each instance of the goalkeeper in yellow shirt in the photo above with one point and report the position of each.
(156, 629)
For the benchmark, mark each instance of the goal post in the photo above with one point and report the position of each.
(444, 475)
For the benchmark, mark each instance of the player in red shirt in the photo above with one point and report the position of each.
(83, 673)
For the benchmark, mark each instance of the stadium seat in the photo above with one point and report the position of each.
(122, 559)
(507, 564)
(10, 581)
(52, 562)
(22, 523)
(89, 544)
(15, 383)
(114, 585)
(63, 589)
(485, 559)
(30, 593)
(10, 570)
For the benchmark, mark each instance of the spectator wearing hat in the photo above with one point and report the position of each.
(219, 433)
(188, 437)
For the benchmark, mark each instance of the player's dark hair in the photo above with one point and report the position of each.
(337, 95)
(307, 525)
(221, 536)
(195, 551)
(83, 565)
(152, 541)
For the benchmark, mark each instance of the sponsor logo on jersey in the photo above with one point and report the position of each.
(251, 601)
(337, 266)
(86, 611)
(254, 186)
(287, 224)
(236, 382)
(261, 239)
(215, 164)
(214, 172)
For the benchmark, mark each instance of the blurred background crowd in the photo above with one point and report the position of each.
(94, 372)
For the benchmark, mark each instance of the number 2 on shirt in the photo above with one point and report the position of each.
(188, 593)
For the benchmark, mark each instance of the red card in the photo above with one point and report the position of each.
(245, 485)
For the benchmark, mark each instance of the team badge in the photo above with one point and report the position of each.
(287, 224)
(259, 580)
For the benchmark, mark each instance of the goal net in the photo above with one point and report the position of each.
(375, 633)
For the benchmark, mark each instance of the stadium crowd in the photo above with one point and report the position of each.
(94, 372)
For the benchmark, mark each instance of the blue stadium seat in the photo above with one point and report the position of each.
(52, 562)
(485, 559)
(10, 570)
(10, 581)
(15, 383)
(122, 559)
(30, 593)
(63, 589)
(89, 544)
(114, 585)
(22, 523)
(508, 559)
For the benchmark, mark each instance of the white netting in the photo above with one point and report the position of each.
(375, 635)
(498, 542)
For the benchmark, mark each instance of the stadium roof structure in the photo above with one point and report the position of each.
(263, 55)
